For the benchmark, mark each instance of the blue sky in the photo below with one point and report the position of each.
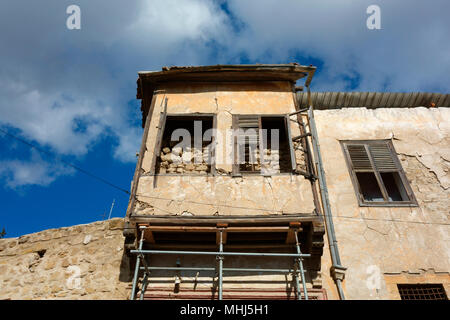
(72, 92)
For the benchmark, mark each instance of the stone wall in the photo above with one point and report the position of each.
(174, 160)
(79, 262)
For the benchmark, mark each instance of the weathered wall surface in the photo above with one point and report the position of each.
(222, 194)
(79, 262)
(389, 241)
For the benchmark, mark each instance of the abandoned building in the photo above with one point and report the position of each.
(251, 186)
(243, 191)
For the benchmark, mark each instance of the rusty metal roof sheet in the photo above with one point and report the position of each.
(337, 100)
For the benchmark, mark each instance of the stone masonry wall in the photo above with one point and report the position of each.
(78, 262)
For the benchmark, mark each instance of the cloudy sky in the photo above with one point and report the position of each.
(72, 92)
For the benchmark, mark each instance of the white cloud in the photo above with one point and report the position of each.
(68, 89)
(410, 53)
(19, 173)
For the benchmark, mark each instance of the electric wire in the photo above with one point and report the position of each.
(63, 161)
(94, 176)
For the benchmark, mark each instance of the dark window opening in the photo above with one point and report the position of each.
(369, 186)
(276, 157)
(422, 292)
(181, 151)
(377, 174)
(394, 186)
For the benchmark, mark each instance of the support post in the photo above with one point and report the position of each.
(220, 258)
(300, 265)
(144, 286)
(138, 260)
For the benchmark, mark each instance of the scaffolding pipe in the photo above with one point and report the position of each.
(136, 270)
(300, 264)
(223, 269)
(144, 286)
(297, 283)
(220, 258)
(211, 253)
(332, 241)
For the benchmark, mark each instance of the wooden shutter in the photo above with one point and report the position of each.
(250, 126)
(382, 157)
(359, 157)
(378, 157)
(291, 146)
(159, 136)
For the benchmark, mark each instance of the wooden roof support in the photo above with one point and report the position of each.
(214, 229)
(148, 234)
(223, 227)
(213, 220)
(293, 227)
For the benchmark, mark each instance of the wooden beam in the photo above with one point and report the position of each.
(223, 227)
(182, 229)
(257, 229)
(214, 229)
(293, 227)
(213, 220)
(148, 234)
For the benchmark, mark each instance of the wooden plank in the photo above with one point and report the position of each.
(213, 146)
(148, 235)
(293, 228)
(182, 229)
(223, 227)
(159, 136)
(257, 229)
(213, 220)
(214, 229)
(291, 146)
(235, 169)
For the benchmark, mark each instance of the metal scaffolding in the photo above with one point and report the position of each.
(297, 270)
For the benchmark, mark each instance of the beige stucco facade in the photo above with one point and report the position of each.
(378, 243)
(221, 194)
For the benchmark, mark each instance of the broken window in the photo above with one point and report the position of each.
(422, 292)
(186, 145)
(262, 145)
(376, 173)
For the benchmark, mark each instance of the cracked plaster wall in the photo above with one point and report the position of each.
(369, 244)
(221, 194)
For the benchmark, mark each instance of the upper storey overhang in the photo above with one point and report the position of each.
(148, 81)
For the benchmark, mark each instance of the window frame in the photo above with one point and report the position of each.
(236, 172)
(412, 202)
(160, 136)
(418, 291)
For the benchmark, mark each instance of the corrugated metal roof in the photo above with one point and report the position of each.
(337, 100)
